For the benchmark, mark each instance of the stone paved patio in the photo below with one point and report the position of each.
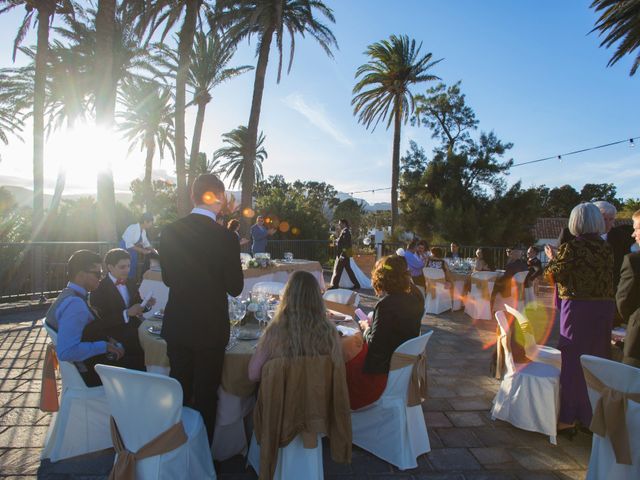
(465, 443)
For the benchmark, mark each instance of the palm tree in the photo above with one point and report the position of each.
(264, 19)
(236, 152)
(147, 120)
(619, 21)
(43, 12)
(210, 56)
(395, 65)
(150, 15)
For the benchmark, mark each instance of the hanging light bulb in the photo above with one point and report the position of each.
(631, 144)
(560, 158)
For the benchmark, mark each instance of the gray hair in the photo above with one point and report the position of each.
(605, 208)
(586, 218)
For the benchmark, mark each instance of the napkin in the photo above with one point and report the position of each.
(347, 331)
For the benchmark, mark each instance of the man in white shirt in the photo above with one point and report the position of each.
(135, 241)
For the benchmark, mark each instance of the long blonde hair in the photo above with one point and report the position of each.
(300, 327)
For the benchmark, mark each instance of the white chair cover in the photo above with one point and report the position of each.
(476, 306)
(626, 379)
(388, 428)
(539, 353)
(294, 461)
(342, 295)
(160, 293)
(518, 290)
(458, 294)
(529, 394)
(271, 288)
(229, 437)
(363, 280)
(144, 405)
(81, 425)
(442, 300)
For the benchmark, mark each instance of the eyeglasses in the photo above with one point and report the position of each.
(96, 273)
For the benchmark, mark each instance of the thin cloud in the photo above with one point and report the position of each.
(317, 116)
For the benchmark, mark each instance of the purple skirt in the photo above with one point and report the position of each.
(585, 329)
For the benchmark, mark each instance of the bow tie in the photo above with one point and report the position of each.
(121, 282)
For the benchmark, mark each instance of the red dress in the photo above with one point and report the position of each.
(364, 388)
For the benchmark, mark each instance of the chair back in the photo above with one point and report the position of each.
(530, 346)
(398, 380)
(270, 288)
(343, 296)
(433, 273)
(614, 375)
(490, 276)
(143, 404)
(504, 343)
(71, 377)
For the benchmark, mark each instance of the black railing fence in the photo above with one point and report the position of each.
(37, 270)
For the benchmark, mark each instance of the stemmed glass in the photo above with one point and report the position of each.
(272, 308)
(237, 311)
(261, 313)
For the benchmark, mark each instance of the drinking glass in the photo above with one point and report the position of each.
(261, 313)
(272, 308)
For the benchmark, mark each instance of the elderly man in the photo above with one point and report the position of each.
(628, 298)
(259, 234)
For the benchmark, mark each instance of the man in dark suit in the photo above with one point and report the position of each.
(628, 299)
(618, 237)
(343, 257)
(200, 263)
(454, 251)
(117, 302)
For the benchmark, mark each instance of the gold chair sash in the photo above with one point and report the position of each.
(483, 286)
(431, 285)
(610, 416)
(125, 466)
(417, 391)
(48, 387)
(503, 347)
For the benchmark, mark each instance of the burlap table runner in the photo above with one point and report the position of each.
(125, 466)
(610, 416)
(417, 390)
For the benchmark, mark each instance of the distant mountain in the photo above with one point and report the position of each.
(24, 196)
(367, 206)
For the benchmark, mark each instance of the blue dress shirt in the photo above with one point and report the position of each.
(73, 315)
(414, 263)
(259, 235)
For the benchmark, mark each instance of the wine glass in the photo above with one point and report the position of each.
(272, 308)
(261, 313)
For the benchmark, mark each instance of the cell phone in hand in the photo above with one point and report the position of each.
(361, 315)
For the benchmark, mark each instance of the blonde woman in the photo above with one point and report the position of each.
(300, 327)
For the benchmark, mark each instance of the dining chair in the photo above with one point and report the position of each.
(616, 381)
(478, 302)
(146, 405)
(529, 393)
(438, 296)
(81, 425)
(389, 428)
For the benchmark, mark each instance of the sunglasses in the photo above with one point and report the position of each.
(96, 273)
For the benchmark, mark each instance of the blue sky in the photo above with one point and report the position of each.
(530, 70)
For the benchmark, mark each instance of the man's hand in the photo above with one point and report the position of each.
(113, 348)
(271, 231)
(136, 310)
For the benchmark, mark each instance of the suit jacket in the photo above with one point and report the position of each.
(343, 243)
(503, 285)
(619, 238)
(396, 319)
(109, 304)
(628, 300)
(200, 263)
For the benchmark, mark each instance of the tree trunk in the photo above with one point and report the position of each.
(105, 98)
(40, 80)
(185, 45)
(248, 171)
(148, 167)
(395, 164)
(195, 142)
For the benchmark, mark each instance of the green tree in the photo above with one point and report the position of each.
(353, 211)
(236, 152)
(147, 120)
(592, 192)
(630, 206)
(619, 22)
(163, 200)
(263, 19)
(382, 93)
(561, 201)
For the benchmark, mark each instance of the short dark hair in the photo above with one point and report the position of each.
(412, 244)
(437, 252)
(146, 217)
(345, 221)
(423, 243)
(81, 261)
(114, 255)
(534, 248)
(233, 225)
(204, 183)
(453, 242)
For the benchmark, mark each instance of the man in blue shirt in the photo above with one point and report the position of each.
(259, 234)
(80, 339)
(415, 264)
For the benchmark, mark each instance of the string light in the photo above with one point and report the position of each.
(631, 144)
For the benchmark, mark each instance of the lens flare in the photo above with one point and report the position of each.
(248, 213)
(284, 227)
(209, 198)
(295, 231)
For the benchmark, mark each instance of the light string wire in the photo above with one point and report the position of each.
(553, 157)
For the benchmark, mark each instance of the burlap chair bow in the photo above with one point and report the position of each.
(432, 283)
(48, 387)
(125, 466)
(417, 391)
(610, 416)
(483, 286)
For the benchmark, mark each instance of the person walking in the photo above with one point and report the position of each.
(343, 257)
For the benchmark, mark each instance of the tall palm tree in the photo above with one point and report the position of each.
(264, 19)
(236, 152)
(43, 12)
(211, 54)
(147, 120)
(150, 15)
(619, 22)
(382, 93)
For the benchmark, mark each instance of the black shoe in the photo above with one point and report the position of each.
(568, 432)
(332, 288)
(356, 288)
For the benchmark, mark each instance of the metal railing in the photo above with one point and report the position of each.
(37, 270)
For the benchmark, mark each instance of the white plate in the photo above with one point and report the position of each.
(252, 334)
